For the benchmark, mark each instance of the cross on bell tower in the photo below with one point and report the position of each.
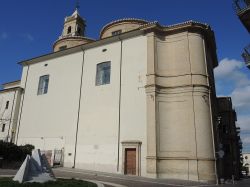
(77, 5)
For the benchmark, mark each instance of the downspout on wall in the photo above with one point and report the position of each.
(119, 108)
(79, 108)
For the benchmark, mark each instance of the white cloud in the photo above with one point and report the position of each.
(244, 123)
(241, 98)
(3, 36)
(28, 36)
(227, 66)
(246, 140)
(229, 71)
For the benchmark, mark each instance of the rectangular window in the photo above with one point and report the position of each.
(103, 73)
(3, 127)
(7, 105)
(43, 85)
(114, 33)
(62, 47)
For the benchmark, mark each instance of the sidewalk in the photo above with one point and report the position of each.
(119, 180)
(126, 180)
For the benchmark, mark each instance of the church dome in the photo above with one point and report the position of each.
(68, 42)
(121, 26)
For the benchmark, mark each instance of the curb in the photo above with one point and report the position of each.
(93, 181)
(7, 175)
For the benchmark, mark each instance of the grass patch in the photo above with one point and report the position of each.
(7, 182)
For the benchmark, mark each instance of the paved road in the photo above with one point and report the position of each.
(116, 180)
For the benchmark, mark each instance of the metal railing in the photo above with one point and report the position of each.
(241, 5)
(246, 54)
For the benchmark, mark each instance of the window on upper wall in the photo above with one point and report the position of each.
(3, 127)
(114, 33)
(7, 105)
(43, 85)
(62, 47)
(103, 73)
(69, 30)
(79, 31)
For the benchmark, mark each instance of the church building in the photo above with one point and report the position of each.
(140, 100)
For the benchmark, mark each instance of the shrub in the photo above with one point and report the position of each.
(12, 152)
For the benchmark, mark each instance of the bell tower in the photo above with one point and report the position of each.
(73, 33)
(74, 25)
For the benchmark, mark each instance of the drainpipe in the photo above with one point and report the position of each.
(119, 112)
(194, 115)
(79, 108)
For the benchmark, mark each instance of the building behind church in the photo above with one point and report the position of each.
(140, 100)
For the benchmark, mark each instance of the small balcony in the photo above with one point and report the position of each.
(238, 130)
(246, 56)
(242, 8)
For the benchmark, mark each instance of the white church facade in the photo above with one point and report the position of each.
(138, 101)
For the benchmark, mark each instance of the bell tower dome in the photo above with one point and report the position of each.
(73, 33)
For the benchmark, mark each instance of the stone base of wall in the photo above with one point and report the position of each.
(201, 170)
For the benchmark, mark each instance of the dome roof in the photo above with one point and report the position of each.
(123, 25)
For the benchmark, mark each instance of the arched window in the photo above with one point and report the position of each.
(79, 30)
(3, 127)
(7, 105)
(69, 30)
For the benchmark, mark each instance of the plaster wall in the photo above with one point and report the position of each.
(103, 126)
(9, 116)
(5, 114)
(48, 121)
(133, 98)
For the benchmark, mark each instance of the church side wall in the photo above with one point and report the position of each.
(48, 121)
(15, 112)
(6, 115)
(112, 113)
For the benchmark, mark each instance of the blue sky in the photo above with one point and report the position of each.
(29, 28)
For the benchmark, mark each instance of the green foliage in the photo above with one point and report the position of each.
(7, 182)
(12, 152)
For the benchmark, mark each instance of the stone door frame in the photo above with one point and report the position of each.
(134, 145)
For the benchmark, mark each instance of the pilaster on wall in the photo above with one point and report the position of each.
(179, 133)
(151, 108)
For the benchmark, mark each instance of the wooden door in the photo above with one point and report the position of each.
(130, 161)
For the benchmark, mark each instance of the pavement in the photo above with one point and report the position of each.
(119, 180)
